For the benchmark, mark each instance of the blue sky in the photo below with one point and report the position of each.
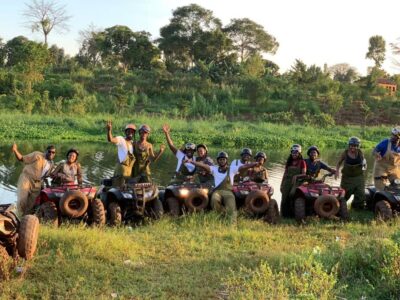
(315, 31)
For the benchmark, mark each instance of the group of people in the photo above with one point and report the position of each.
(136, 156)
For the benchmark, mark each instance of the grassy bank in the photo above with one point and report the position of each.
(200, 257)
(20, 127)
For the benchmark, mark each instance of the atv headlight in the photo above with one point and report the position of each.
(312, 194)
(183, 193)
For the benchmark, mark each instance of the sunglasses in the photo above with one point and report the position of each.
(294, 152)
(51, 151)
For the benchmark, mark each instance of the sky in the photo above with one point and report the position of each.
(315, 31)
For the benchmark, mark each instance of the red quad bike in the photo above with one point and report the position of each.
(71, 201)
(18, 237)
(191, 196)
(386, 203)
(317, 197)
(256, 198)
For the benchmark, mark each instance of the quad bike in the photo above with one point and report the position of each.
(70, 201)
(130, 202)
(18, 237)
(187, 195)
(257, 200)
(386, 203)
(317, 197)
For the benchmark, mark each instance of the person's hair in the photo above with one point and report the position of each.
(290, 159)
(50, 147)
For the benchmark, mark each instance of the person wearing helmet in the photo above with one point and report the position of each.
(202, 156)
(123, 169)
(222, 197)
(144, 155)
(314, 164)
(295, 168)
(69, 171)
(38, 165)
(245, 156)
(387, 160)
(352, 180)
(183, 169)
(259, 173)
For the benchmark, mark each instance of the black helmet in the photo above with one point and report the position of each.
(222, 154)
(202, 146)
(315, 148)
(354, 141)
(261, 154)
(246, 151)
(73, 150)
(189, 146)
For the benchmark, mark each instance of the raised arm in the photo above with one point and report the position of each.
(167, 130)
(155, 157)
(199, 164)
(14, 149)
(110, 137)
(249, 166)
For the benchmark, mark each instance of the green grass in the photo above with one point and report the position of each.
(215, 132)
(201, 257)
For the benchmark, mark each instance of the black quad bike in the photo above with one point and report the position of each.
(187, 195)
(130, 202)
(315, 197)
(385, 204)
(18, 237)
(256, 198)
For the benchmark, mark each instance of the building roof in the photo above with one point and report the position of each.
(386, 81)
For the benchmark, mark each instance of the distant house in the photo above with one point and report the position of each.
(388, 84)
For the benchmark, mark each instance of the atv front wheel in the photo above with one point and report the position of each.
(27, 236)
(300, 209)
(257, 202)
(115, 214)
(383, 210)
(98, 213)
(272, 215)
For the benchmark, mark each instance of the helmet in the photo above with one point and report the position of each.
(296, 147)
(354, 141)
(130, 126)
(145, 128)
(222, 154)
(311, 149)
(246, 151)
(261, 154)
(73, 150)
(189, 146)
(396, 131)
(202, 146)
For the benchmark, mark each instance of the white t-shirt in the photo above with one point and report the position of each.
(234, 168)
(123, 148)
(218, 177)
(46, 168)
(181, 157)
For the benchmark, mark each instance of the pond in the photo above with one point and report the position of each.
(98, 161)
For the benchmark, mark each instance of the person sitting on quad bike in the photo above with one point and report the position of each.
(123, 169)
(314, 164)
(295, 168)
(245, 156)
(144, 154)
(387, 160)
(203, 176)
(183, 169)
(259, 173)
(353, 173)
(69, 172)
(222, 198)
(37, 167)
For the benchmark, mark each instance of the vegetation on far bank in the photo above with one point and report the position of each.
(201, 257)
(217, 132)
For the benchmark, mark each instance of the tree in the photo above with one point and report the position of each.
(2, 53)
(343, 73)
(44, 16)
(396, 51)
(250, 38)
(376, 50)
(91, 40)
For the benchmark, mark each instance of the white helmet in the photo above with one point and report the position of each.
(296, 147)
(396, 131)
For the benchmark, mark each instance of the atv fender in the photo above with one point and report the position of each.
(383, 195)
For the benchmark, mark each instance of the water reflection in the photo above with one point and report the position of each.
(98, 161)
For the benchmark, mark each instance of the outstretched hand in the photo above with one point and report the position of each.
(166, 128)
(162, 148)
(14, 147)
(109, 125)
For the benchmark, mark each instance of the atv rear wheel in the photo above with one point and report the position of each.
(74, 204)
(157, 208)
(47, 213)
(383, 210)
(27, 236)
(343, 211)
(173, 206)
(326, 206)
(197, 200)
(272, 215)
(257, 202)
(300, 209)
(98, 213)
(115, 214)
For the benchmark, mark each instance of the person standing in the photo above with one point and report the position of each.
(353, 173)
(387, 160)
(38, 165)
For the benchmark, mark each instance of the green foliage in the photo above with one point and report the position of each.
(376, 50)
